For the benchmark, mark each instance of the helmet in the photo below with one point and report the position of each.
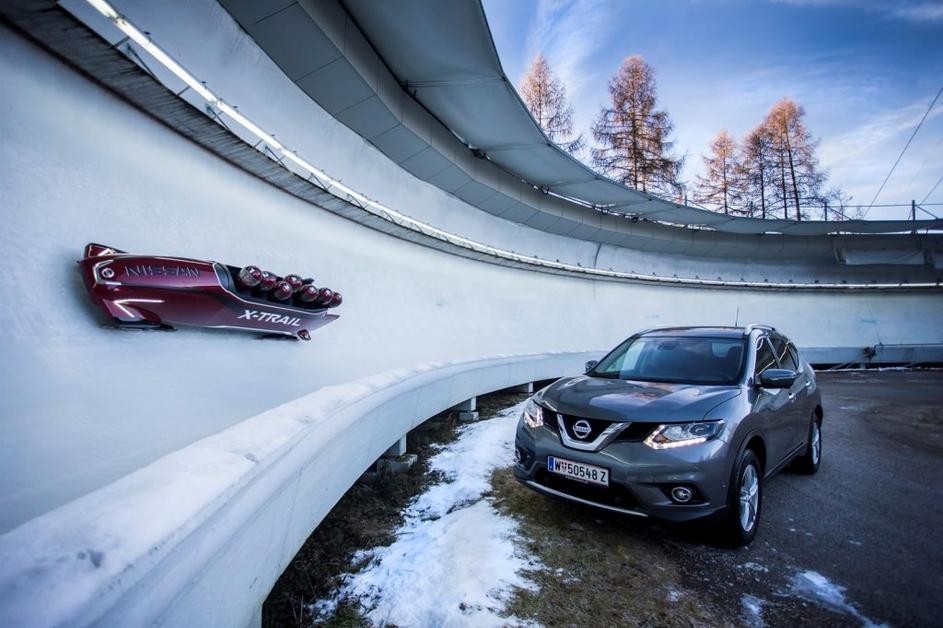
(294, 281)
(336, 300)
(267, 282)
(308, 294)
(249, 277)
(281, 292)
(325, 296)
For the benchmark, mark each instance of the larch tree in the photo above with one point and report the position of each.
(633, 135)
(756, 171)
(720, 186)
(797, 173)
(545, 97)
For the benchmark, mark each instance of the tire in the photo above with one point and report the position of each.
(743, 515)
(808, 462)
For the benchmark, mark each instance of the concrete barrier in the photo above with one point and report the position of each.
(199, 537)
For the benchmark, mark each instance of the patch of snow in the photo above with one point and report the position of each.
(814, 587)
(673, 595)
(752, 610)
(454, 561)
(753, 567)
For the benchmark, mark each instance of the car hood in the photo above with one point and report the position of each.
(621, 400)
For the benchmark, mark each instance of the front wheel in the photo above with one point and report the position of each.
(746, 501)
(809, 461)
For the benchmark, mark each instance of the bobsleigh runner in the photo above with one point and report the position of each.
(153, 292)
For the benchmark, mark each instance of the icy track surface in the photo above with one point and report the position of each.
(454, 561)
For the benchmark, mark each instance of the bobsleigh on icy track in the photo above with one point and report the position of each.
(155, 292)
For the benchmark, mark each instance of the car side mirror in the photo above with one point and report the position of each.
(778, 378)
(591, 365)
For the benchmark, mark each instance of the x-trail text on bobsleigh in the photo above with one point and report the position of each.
(677, 424)
(151, 292)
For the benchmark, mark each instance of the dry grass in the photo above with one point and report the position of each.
(599, 569)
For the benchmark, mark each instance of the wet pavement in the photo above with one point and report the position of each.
(859, 542)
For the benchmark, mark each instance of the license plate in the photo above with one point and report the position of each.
(578, 471)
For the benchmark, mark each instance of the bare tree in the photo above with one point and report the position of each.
(720, 187)
(545, 97)
(633, 136)
(797, 172)
(836, 205)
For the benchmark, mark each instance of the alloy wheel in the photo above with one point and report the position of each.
(816, 442)
(749, 497)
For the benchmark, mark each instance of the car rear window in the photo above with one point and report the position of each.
(675, 359)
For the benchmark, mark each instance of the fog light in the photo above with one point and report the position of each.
(517, 455)
(681, 494)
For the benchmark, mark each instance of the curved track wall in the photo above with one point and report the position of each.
(206, 39)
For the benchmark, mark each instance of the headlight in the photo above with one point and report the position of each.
(683, 434)
(533, 414)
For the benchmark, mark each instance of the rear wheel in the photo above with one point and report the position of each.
(809, 462)
(746, 501)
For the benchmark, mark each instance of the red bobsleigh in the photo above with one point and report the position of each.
(160, 292)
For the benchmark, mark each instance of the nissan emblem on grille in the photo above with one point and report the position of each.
(581, 429)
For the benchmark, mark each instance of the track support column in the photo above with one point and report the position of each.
(467, 410)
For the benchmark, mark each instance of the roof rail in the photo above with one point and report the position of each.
(749, 328)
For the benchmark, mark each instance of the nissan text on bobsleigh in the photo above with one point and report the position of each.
(156, 292)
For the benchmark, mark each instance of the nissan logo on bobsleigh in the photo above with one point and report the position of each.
(159, 292)
(146, 270)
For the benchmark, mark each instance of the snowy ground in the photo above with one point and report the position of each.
(455, 561)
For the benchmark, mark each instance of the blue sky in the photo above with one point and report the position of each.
(864, 70)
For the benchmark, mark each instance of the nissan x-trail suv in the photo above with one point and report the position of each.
(677, 424)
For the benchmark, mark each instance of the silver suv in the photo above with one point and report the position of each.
(676, 423)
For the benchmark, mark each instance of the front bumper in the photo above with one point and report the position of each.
(640, 477)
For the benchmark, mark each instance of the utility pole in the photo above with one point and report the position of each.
(825, 211)
(913, 214)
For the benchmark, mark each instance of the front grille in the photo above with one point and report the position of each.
(636, 432)
(615, 495)
(597, 426)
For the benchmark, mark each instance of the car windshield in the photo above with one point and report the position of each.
(675, 359)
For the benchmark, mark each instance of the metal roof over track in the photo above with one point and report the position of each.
(422, 81)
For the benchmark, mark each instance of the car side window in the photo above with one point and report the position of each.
(793, 359)
(781, 350)
(764, 356)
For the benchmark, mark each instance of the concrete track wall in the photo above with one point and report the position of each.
(203, 36)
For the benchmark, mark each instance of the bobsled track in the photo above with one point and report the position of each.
(168, 478)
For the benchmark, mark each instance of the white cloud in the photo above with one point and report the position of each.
(914, 11)
(922, 12)
(570, 33)
(860, 158)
